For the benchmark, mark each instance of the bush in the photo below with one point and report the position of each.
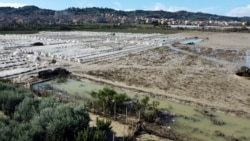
(108, 98)
(53, 61)
(11, 96)
(62, 122)
(103, 125)
(61, 80)
(150, 115)
(28, 118)
(98, 133)
(37, 44)
(243, 71)
(26, 110)
(91, 134)
(65, 28)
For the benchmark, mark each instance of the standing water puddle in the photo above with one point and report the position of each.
(219, 61)
(191, 41)
(193, 121)
(247, 58)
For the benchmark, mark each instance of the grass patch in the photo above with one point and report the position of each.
(124, 28)
(19, 32)
(61, 80)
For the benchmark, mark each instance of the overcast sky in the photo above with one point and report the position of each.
(236, 8)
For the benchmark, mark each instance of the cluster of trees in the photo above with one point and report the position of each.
(98, 133)
(27, 118)
(64, 27)
(26, 11)
(112, 103)
(148, 111)
(243, 71)
(58, 72)
(61, 80)
(108, 100)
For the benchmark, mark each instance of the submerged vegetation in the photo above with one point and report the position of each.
(186, 121)
(47, 118)
(27, 117)
(61, 80)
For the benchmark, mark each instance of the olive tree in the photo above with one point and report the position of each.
(61, 123)
(108, 99)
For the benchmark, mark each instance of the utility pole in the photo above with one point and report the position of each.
(126, 114)
(103, 109)
(115, 111)
(139, 115)
(113, 136)
(123, 132)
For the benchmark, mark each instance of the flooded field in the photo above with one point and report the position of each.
(191, 41)
(71, 86)
(183, 77)
(208, 125)
(194, 121)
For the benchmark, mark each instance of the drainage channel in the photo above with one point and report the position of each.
(219, 61)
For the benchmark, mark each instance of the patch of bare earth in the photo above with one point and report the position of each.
(220, 40)
(122, 130)
(177, 75)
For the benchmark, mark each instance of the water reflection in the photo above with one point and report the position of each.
(191, 41)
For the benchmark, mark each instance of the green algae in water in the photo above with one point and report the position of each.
(194, 123)
(72, 87)
(204, 128)
(77, 87)
(191, 122)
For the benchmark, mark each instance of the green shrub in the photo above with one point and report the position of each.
(108, 98)
(28, 118)
(26, 110)
(243, 71)
(9, 100)
(61, 80)
(62, 122)
(91, 134)
(103, 124)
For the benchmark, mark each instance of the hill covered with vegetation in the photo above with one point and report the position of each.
(96, 11)
(25, 11)
(182, 15)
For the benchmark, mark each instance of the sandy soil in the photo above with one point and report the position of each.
(2, 115)
(181, 76)
(221, 40)
(227, 46)
(147, 137)
(121, 130)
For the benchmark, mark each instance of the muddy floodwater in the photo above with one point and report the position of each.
(193, 121)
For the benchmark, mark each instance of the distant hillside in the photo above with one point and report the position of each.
(25, 11)
(182, 15)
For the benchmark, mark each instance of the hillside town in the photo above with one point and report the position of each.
(49, 17)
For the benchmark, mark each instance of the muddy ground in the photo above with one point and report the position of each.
(122, 131)
(184, 77)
